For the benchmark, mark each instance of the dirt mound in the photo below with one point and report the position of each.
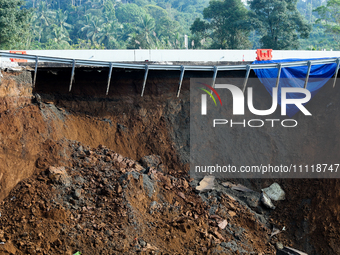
(104, 203)
(30, 124)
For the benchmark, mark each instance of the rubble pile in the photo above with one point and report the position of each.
(104, 203)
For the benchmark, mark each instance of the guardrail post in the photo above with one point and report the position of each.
(309, 64)
(336, 71)
(35, 70)
(109, 80)
(72, 75)
(214, 77)
(279, 66)
(145, 77)
(246, 78)
(181, 80)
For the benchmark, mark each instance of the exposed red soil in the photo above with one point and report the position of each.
(101, 207)
(103, 204)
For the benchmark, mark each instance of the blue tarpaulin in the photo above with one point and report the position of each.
(295, 77)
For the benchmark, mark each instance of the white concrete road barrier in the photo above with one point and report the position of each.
(164, 56)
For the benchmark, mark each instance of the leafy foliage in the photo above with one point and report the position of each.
(13, 23)
(111, 24)
(279, 22)
(227, 27)
(329, 18)
(163, 24)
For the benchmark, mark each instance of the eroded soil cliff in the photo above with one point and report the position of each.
(74, 176)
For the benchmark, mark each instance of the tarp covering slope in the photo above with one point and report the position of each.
(295, 77)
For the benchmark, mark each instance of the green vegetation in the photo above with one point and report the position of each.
(163, 24)
(279, 22)
(111, 24)
(329, 18)
(13, 22)
(228, 26)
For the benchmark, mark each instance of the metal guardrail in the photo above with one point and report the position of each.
(181, 68)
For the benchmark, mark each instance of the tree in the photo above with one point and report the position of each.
(144, 36)
(59, 37)
(108, 36)
(93, 27)
(156, 12)
(13, 22)
(200, 29)
(61, 19)
(147, 32)
(41, 22)
(167, 30)
(45, 16)
(279, 22)
(130, 13)
(330, 18)
(228, 25)
(305, 7)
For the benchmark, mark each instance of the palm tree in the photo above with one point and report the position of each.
(146, 32)
(59, 36)
(93, 27)
(44, 16)
(133, 40)
(41, 21)
(61, 19)
(108, 35)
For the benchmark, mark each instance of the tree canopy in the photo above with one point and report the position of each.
(111, 24)
(329, 18)
(279, 22)
(227, 25)
(163, 24)
(13, 22)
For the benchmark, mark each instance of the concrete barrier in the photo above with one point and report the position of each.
(177, 55)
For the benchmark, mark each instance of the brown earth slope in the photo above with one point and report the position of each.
(104, 203)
